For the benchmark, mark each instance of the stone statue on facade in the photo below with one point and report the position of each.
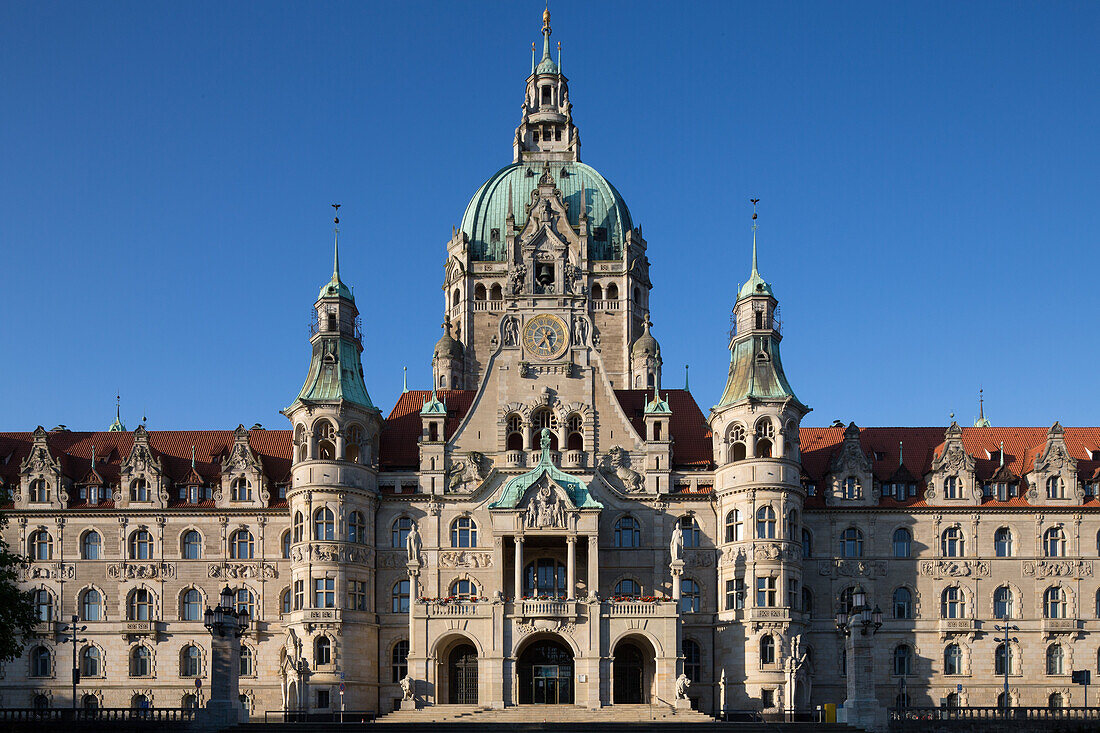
(580, 331)
(682, 685)
(406, 688)
(511, 331)
(413, 544)
(676, 546)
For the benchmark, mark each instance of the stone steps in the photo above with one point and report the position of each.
(605, 725)
(547, 714)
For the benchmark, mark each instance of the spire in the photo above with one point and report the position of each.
(404, 380)
(754, 270)
(901, 452)
(1002, 454)
(93, 457)
(117, 426)
(686, 367)
(981, 422)
(192, 456)
(755, 284)
(336, 244)
(532, 57)
(546, 65)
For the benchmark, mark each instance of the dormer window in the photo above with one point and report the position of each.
(494, 235)
(40, 490)
(547, 94)
(1056, 488)
(139, 490)
(332, 321)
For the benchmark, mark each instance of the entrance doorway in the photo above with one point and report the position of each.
(546, 674)
(629, 671)
(462, 675)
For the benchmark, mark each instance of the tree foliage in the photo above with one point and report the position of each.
(18, 620)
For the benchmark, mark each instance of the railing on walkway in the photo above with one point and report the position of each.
(994, 713)
(319, 716)
(771, 716)
(97, 714)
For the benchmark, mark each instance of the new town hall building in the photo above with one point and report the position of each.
(549, 524)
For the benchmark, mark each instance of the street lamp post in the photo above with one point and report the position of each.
(226, 626)
(1005, 628)
(73, 632)
(861, 707)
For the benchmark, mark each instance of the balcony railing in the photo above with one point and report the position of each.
(532, 608)
(455, 609)
(98, 714)
(1059, 625)
(958, 625)
(606, 305)
(926, 714)
(643, 609)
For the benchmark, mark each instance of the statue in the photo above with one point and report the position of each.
(518, 276)
(406, 688)
(412, 545)
(511, 331)
(544, 440)
(468, 471)
(676, 546)
(618, 460)
(580, 331)
(682, 685)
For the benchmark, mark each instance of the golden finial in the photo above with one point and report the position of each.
(546, 19)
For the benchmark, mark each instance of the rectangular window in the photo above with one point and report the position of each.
(299, 594)
(792, 593)
(357, 595)
(767, 699)
(765, 592)
(324, 593)
(322, 699)
(735, 595)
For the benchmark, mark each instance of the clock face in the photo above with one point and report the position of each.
(544, 336)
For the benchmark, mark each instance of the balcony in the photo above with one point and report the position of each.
(456, 609)
(533, 608)
(573, 459)
(515, 458)
(1059, 625)
(957, 626)
(606, 305)
(139, 628)
(640, 609)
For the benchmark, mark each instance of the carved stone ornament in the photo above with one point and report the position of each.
(617, 463)
(699, 559)
(1058, 568)
(47, 571)
(949, 568)
(769, 551)
(468, 473)
(241, 570)
(393, 560)
(854, 568)
(545, 508)
(465, 559)
(140, 570)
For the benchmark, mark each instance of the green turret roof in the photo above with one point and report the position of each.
(513, 491)
(335, 288)
(756, 371)
(335, 374)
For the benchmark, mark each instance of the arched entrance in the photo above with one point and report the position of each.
(462, 675)
(632, 671)
(545, 671)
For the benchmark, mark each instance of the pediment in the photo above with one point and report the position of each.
(549, 477)
(546, 505)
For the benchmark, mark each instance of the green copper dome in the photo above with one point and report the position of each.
(608, 218)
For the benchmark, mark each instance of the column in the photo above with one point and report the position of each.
(571, 567)
(519, 568)
(593, 565)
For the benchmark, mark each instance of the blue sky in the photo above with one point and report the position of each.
(928, 176)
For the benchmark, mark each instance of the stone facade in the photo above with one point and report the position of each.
(548, 523)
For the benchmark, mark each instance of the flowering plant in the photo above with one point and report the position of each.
(445, 600)
(635, 599)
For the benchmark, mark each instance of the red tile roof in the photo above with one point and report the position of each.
(399, 446)
(691, 436)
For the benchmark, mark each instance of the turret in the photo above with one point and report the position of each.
(547, 131)
(645, 360)
(448, 360)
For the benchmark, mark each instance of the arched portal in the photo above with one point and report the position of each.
(633, 670)
(462, 675)
(545, 672)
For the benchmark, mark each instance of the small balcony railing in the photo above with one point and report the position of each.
(535, 608)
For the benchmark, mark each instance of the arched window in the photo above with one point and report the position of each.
(628, 532)
(41, 703)
(285, 601)
(353, 444)
(851, 543)
(1054, 602)
(693, 659)
(903, 542)
(847, 599)
(597, 292)
(953, 543)
(400, 596)
(495, 292)
(1055, 700)
(325, 435)
(951, 487)
(90, 545)
(765, 434)
(628, 588)
(464, 588)
(479, 292)
(141, 545)
(807, 602)
(322, 651)
(544, 418)
(953, 659)
(43, 605)
(1055, 659)
(734, 526)
(41, 662)
(851, 488)
(41, 545)
(399, 661)
(189, 702)
(91, 662)
(1056, 488)
(514, 433)
(807, 544)
(241, 489)
(245, 602)
(903, 660)
(241, 545)
(141, 661)
(91, 605)
(357, 528)
(139, 490)
(191, 605)
(299, 526)
(737, 444)
(575, 433)
(401, 528)
(612, 291)
(1003, 661)
(765, 523)
(139, 607)
(690, 597)
(1002, 602)
(1054, 542)
(139, 702)
(1002, 542)
(191, 545)
(903, 603)
(952, 603)
(190, 657)
(285, 544)
(324, 524)
(791, 531)
(767, 650)
(40, 490)
(464, 532)
(690, 529)
(248, 661)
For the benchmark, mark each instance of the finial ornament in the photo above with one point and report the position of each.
(686, 367)
(192, 457)
(1002, 454)
(404, 379)
(336, 242)
(754, 203)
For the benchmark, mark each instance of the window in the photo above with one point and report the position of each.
(765, 433)
(43, 605)
(140, 607)
(241, 489)
(1054, 602)
(734, 526)
(951, 487)
(141, 662)
(807, 544)
(903, 603)
(952, 542)
(91, 605)
(357, 595)
(1054, 542)
(735, 594)
(952, 603)
(1055, 700)
(399, 661)
(285, 543)
(1056, 488)
(241, 545)
(352, 446)
(91, 662)
(736, 439)
(903, 542)
(41, 545)
(464, 533)
(464, 589)
(1002, 602)
(903, 660)
(1055, 659)
(1002, 542)
(299, 594)
(1003, 663)
(324, 524)
(952, 659)
(791, 530)
(286, 601)
(139, 702)
(245, 602)
(628, 588)
(765, 523)
(357, 528)
(627, 532)
(767, 650)
(767, 696)
(847, 600)
(191, 605)
(248, 662)
(326, 440)
(401, 528)
(299, 523)
(324, 593)
(574, 433)
(141, 545)
(850, 488)
(191, 545)
(189, 661)
(401, 596)
(693, 660)
(40, 490)
(765, 592)
(90, 545)
(792, 594)
(139, 490)
(690, 528)
(807, 602)
(514, 439)
(690, 596)
(41, 662)
(322, 651)
(851, 543)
